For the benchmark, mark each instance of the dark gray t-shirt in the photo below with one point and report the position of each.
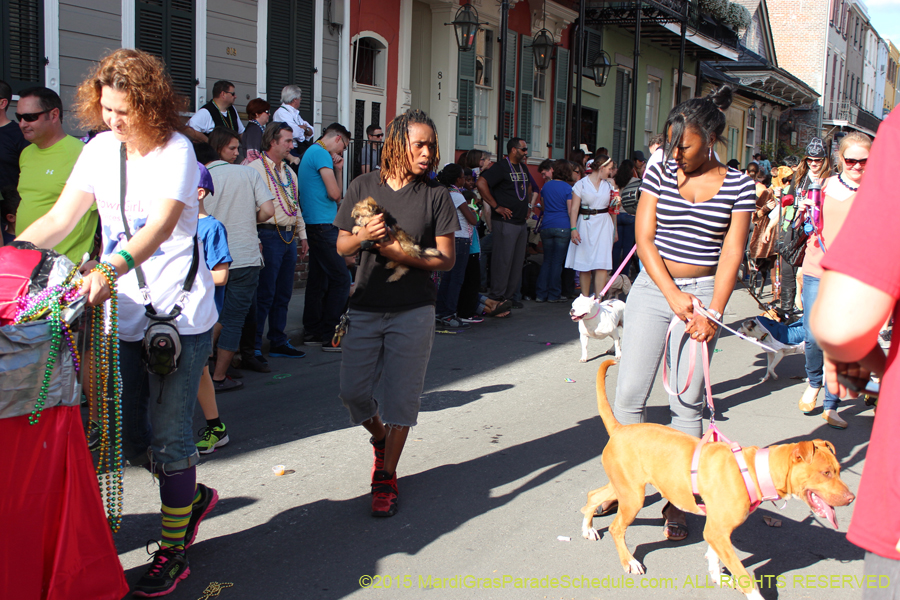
(424, 210)
(511, 188)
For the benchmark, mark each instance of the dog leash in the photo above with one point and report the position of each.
(618, 271)
(709, 316)
(714, 434)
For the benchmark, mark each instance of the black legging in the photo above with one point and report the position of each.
(788, 286)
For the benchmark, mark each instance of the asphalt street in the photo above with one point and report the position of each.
(491, 482)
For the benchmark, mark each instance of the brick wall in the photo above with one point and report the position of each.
(800, 30)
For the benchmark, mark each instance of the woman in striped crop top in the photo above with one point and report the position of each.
(691, 229)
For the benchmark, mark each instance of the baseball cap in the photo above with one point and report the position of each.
(206, 181)
(639, 155)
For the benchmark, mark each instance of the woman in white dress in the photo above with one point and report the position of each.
(593, 228)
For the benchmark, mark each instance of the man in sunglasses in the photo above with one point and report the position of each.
(370, 157)
(11, 141)
(45, 166)
(218, 112)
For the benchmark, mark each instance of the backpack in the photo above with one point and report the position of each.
(630, 195)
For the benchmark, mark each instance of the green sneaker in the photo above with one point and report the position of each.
(212, 438)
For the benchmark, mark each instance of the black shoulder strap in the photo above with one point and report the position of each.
(142, 283)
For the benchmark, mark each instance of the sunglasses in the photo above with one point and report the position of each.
(523, 149)
(378, 135)
(854, 161)
(30, 117)
(814, 160)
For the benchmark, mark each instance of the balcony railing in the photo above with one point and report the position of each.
(362, 152)
(852, 113)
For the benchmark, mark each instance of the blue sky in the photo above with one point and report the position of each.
(885, 17)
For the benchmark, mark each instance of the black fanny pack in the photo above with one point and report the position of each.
(162, 343)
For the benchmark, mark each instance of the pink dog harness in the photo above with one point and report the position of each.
(763, 475)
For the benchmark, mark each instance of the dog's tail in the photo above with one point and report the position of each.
(603, 407)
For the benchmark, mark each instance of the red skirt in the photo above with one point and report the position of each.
(56, 542)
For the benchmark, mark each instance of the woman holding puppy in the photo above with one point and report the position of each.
(691, 229)
(392, 323)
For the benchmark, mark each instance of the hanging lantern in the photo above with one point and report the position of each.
(601, 68)
(543, 48)
(466, 26)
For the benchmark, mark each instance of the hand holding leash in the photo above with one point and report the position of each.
(682, 304)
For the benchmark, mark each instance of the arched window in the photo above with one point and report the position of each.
(369, 60)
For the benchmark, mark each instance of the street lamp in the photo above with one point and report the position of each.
(601, 67)
(466, 26)
(543, 48)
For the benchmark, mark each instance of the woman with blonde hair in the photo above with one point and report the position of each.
(839, 192)
(131, 99)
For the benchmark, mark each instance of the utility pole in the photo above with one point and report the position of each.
(501, 83)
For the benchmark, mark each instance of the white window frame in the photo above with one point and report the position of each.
(486, 58)
(538, 146)
(651, 109)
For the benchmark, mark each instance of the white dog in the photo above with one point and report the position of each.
(759, 328)
(598, 320)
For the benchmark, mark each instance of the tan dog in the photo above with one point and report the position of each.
(366, 210)
(650, 453)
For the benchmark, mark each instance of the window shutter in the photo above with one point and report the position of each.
(22, 43)
(465, 120)
(526, 91)
(278, 55)
(303, 51)
(290, 53)
(561, 103)
(620, 115)
(165, 28)
(181, 56)
(509, 109)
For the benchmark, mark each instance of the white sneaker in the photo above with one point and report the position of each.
(809, 400)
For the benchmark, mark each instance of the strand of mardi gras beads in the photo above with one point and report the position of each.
(106, 388)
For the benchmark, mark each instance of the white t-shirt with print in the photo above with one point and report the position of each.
(169, 172)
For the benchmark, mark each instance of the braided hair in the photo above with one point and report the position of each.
(705, 116)
(394, 153)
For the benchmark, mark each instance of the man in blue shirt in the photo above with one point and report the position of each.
(328, 283)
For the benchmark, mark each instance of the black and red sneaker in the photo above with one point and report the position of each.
(384, 494)
(378, 451)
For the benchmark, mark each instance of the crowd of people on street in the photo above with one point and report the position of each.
(262, 194)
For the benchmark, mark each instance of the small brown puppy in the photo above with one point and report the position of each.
(645, 453)
(368, 209)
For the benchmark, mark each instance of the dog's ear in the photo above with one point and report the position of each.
(826, 444)
(803, 451)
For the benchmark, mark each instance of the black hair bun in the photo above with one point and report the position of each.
(722, 97)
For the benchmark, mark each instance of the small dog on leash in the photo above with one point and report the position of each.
(784, 339)
(598, 320)
(368, 209)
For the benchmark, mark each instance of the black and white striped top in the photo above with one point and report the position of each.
(693, 233)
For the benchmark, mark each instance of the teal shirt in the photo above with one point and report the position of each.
(317, 207)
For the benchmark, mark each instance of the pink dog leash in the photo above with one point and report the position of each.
(764, 477)
(618, 271)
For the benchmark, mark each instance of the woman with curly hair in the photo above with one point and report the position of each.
(392, 323)
(131, 99)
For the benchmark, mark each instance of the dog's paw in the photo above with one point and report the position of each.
(774, 376)
(764, 379)
(589, 533)
(754, 595)
(582, 360)
(634, 567)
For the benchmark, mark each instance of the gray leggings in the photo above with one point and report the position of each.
(647, 317)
